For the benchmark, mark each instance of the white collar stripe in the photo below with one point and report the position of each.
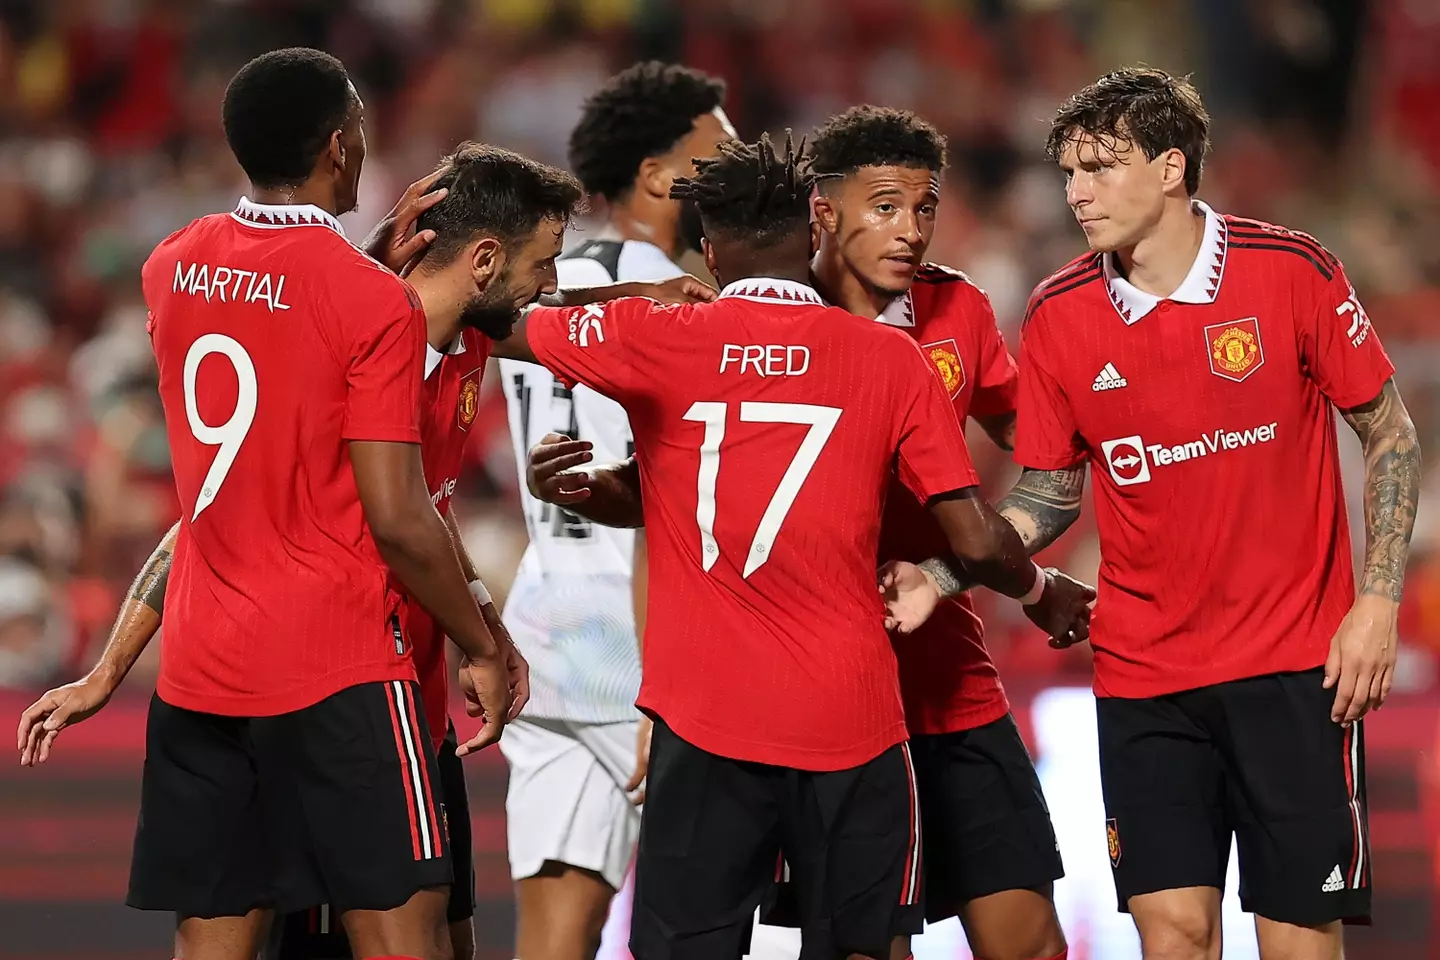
(273, 216)
(785, 293)
(1201, 284)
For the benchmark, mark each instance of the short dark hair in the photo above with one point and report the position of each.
(869, 136)
(1148, 107)
(641, 112)
(494, 192)
(750, 191)
(280, 110)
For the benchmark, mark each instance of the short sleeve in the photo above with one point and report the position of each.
(386, 365)
(997, 383)
(1046, 437)
(1341, 351)
(933, 458)
(589, 344)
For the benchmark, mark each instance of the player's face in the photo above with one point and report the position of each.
(350, 156)
(883, 219)
(704, 139)
(1116, 194)
(522, 276)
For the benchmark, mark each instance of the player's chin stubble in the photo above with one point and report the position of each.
(493, 316)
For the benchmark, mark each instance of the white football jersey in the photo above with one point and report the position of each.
(571, 610)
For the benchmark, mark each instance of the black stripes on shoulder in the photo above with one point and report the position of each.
(936, 273)
(1074, 274)
(1257, 235)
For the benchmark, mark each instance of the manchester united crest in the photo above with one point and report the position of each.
(945, 354)
(1112, 840)
(1235, 348)
(469, 402)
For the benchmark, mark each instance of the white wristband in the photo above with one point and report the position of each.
(1037, 591)
(478, 591)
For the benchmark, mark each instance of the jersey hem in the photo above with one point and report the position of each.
(1037, 462)
(924, 721)
(382, 434)
(1122, 689)
(272, 705)
(792, 758)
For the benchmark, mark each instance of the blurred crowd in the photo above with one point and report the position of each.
(1327, 119)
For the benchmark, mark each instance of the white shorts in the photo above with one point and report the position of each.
(567, 800)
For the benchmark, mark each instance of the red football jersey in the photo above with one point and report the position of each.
(1209, 419)
(449, 401)
(947, 679)
(766, 428)
(277, 342)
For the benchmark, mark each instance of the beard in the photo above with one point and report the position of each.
(493, 313)
(692, 231)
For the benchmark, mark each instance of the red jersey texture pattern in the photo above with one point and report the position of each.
(766, 426)
(1208, 419)
(277, 342)
(449, 401)
(947, 679)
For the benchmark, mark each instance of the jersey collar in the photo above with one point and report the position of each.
(770, 290)
(899, 312)
(1200, 285)
(272, 216)
(434, 357)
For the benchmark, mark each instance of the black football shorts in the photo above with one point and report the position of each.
(710, 841)
(1258, 758)
(337, 803)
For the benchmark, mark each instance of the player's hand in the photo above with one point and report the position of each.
(517, 670)
(910, 593)
(636, 785)
(1063, 610)
(394, 241)
(545, 476)
(487, 687)
(57, 709)
(686, 289)
(1361, 665)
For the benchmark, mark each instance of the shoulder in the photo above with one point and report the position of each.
(1290, 251)
(1068, 282)
(940, 291)
(180, 243)
(356, 276)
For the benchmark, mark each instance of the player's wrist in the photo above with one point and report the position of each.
(1042, 583)
(481, 595)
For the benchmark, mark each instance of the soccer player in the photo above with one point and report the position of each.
(990, 851)
(286, 762)
(1196, 359)
(766, 428)
(492, 244)
(575, 607)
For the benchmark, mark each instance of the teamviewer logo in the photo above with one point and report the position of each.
(1126, 459)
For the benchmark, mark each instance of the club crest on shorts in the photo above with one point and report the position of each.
(945, 354)
(469, 401)
(1235, 348)
(1112, 841)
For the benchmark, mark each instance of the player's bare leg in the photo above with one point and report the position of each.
(221, 938)
(1010, 925)
(462, 939)
(416, 928)
(562, 912)
(1181, 924)
(1286, 941)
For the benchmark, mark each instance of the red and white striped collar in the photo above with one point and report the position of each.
(1201, 284)
(272, 216)
(770, 290)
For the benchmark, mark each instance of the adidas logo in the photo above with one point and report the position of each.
(1109, 379)
(1335, 883)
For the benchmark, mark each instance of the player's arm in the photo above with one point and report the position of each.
(1000, 428)
(608, 495)
(137, 622)
(515, 664)
(683, 289)
(1392, 488)
(994, 400)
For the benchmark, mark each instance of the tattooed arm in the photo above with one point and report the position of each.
(1392, 488)
(1361, 664)
(1041, 506)
(138, 621)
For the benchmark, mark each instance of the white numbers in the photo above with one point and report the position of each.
(821, 421)
(229, 435)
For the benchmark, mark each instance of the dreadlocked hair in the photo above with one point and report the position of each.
(749, 190)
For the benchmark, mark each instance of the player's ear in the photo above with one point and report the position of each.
(335, 150)
(826, 214)
(707, 250)
(654, 177)
(487, 259)
(1172, 173)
